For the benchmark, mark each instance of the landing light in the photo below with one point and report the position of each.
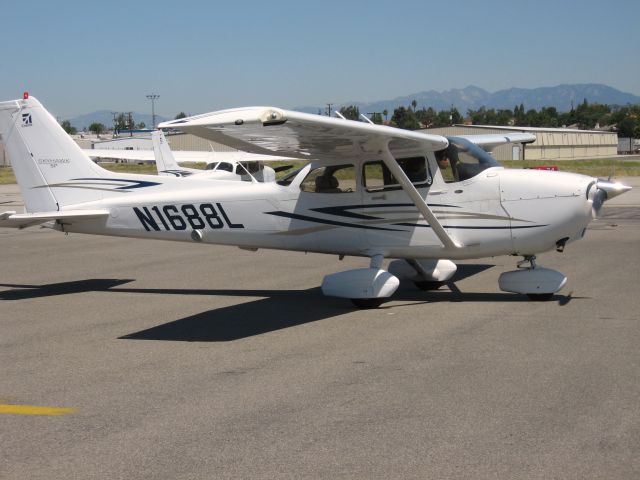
(25, 96)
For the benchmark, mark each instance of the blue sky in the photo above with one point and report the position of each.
(203, 56)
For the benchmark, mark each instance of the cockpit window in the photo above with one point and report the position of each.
(463, 159)
(225, 166)
(378, 177)
(251, 167)
(333, 179)
(211, 166)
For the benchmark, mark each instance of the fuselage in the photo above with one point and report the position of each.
(497, 212)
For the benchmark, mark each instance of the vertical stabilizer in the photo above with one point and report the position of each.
(47, 163)
(165, 161)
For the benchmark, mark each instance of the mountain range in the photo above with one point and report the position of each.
(562, 97)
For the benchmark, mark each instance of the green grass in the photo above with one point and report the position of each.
(6, 176)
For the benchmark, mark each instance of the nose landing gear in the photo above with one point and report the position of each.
(538, 283)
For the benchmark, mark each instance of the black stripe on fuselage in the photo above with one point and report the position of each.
(343, 211)
(306, 218)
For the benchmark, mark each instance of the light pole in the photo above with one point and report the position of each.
(153, 97)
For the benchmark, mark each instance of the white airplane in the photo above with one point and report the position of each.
(246, 170)
(227, 165)
(371, 191)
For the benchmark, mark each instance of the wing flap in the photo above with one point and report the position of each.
(24, 220)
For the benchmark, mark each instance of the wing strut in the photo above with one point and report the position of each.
(414, 195)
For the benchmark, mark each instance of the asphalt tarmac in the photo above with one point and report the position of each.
(186, 361)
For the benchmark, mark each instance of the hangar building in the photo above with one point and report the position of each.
(550, 144)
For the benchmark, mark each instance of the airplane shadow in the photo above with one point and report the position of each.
(276, 310)
(280, 309)
(24, 292)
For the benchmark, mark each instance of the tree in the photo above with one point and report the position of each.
(455, 116)
(405, 118)
(414, 104)
(443, 119)
(180, 115)
(121, 122)
(376, 118)
(97, 128)
(518, 115)
(385, 112)
(427, 117)
(66, 125)
(141, 125)
(626, 128)
(350, 112)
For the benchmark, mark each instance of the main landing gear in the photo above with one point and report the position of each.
(425, 274)
(537, 283)
(365, 287)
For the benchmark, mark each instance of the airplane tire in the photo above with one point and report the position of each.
(540, 297)
(426, 285)
(367, 302)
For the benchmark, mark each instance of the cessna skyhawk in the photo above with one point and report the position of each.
(369, 190)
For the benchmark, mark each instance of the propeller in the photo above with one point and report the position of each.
(602, 190)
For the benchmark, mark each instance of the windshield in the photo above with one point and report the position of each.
(285, 181)
(463, 159)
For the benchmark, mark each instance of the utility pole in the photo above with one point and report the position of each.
(329, 105)
(130, 124)
(115, 123)
(153, 97)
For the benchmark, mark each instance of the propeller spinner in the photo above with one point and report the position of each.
(602, 190)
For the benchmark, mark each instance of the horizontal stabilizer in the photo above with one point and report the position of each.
(24, 220)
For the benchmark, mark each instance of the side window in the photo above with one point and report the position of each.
(333, 179)
(378, 177)
(251, 167)
(211, 166)
(227, 167)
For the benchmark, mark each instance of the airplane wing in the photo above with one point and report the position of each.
(268, 130)
(24, 220)
(489, 142)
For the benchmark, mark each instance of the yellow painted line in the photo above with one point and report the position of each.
(31, 410)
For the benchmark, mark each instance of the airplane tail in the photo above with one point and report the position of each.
(51, 169)
(43, 157)
(165, 161)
